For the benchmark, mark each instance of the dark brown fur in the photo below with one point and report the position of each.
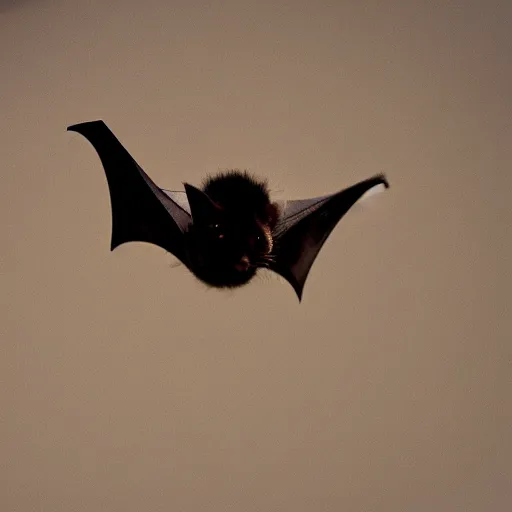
(231, 235)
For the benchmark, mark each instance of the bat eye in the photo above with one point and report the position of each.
(217, 230)
(261, 243)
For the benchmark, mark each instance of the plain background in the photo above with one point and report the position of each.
(127, 386)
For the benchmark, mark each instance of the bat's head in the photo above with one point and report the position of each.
(228, 242)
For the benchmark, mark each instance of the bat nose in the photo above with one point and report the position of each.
(243, 264)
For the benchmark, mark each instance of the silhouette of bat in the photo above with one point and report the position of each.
(207, 230)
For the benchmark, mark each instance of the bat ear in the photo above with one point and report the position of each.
(201, 206)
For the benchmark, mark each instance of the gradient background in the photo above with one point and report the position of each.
(127, 386)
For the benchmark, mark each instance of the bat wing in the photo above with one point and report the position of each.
(141, 211)
(304, 226)
(180, 198)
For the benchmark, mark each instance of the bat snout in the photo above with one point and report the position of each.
(243, 264)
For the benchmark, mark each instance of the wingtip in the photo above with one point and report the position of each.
(77, 126)
(383, 179)
(377, 184)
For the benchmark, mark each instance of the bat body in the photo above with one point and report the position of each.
(196, 225)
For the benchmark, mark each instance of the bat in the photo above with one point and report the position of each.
(226, 230)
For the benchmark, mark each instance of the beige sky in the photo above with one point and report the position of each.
(126, 386)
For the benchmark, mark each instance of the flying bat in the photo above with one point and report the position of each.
(226, 230)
